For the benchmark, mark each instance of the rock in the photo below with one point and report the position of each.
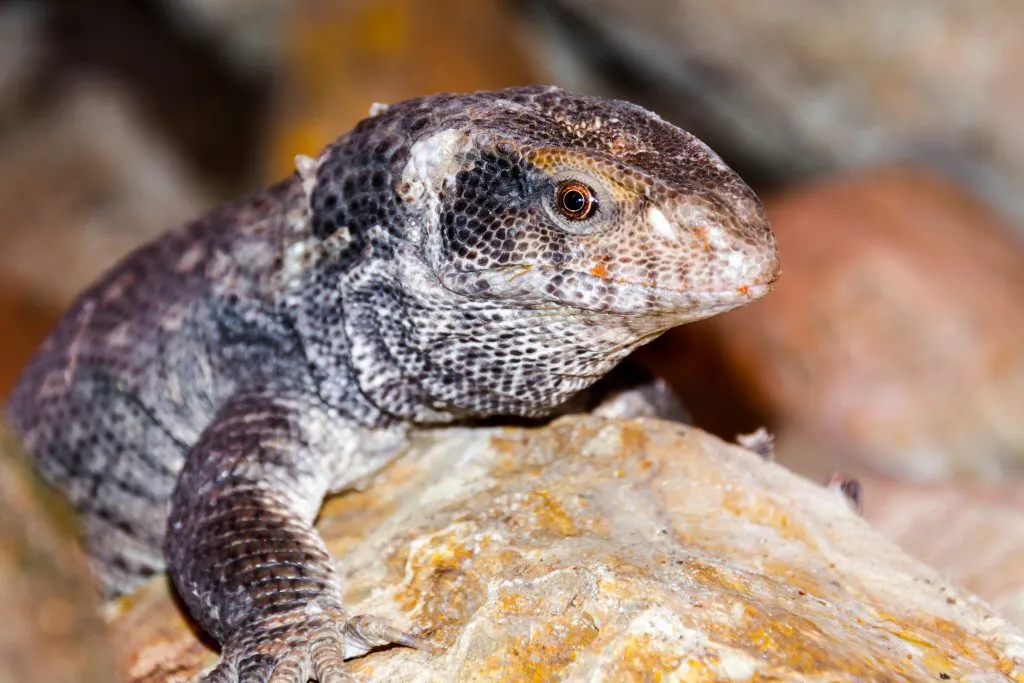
(973, 534)
(892, 340)
(796, 88)
(80, 187)
(247, 32)
(22, 52)
(50, 630)
(339, 56)
(601, 549)
(175, 73)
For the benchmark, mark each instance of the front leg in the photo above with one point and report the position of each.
(242, 551)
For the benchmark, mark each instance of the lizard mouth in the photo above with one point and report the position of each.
(683, 305)
(590, 292)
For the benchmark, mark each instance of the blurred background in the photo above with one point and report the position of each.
(885, 138)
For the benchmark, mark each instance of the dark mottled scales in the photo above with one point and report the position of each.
(488, 207)
(199, 402)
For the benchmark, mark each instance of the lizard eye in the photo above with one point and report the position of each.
(575, 200)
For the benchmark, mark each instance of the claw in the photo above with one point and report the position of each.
(365, 632)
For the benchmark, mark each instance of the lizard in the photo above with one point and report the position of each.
(452, 257)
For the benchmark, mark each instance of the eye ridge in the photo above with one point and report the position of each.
(575, 200)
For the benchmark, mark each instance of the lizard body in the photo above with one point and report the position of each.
(452, 257)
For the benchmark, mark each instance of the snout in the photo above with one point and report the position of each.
(725, 253)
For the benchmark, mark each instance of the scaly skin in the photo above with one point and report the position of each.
(199, 402)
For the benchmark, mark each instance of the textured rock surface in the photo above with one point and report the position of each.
(892, 341)
(597, 549)
(49, 628)
(802, 86)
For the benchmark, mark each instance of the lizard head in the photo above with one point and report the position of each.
(551, 198)
(537, 225)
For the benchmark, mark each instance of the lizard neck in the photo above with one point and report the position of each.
(389, 343)
(426, 354)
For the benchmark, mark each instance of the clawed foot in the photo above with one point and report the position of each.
(312, 645)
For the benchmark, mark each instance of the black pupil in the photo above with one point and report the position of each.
(574, 201)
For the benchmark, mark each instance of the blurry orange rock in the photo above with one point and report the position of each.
(893, 338)
(341, 56)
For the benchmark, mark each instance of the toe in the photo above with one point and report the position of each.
(290, 669)
(256, 669)
(365, 632)
(224, 673)
(328, 653)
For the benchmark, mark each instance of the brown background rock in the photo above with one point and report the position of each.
(79, 189)
(622, 550)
